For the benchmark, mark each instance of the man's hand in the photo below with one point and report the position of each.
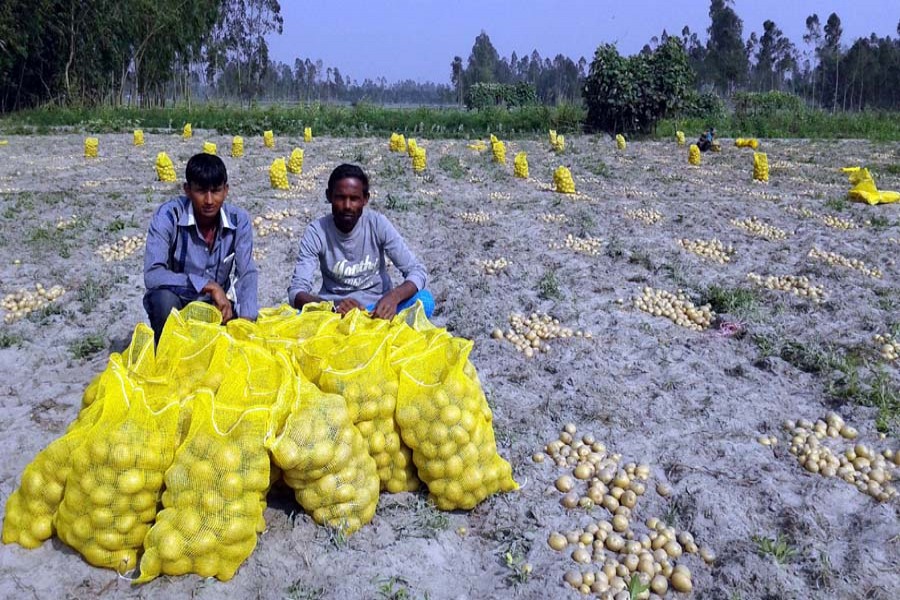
(346, 305)
(386, 307)
(219, 300)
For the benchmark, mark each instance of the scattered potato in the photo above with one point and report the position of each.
(888, 347)
(479, 218)
(530, 334)
(835, 259)
(758, 228)
(676, 308)
(712, 249)
(795, 284)
(492, 267)
(648, 216)
(586, 245)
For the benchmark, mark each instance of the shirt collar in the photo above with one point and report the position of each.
(187, 218)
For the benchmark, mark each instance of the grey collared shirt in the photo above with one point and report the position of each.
(178, 257)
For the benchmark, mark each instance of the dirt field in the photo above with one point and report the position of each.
(689, 404)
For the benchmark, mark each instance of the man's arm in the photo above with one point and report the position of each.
(245, 270)
(415, 276)
(305, 270)
(160, 240)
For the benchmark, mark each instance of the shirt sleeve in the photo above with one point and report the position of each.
(160, 240)
(245, 270)
(402, 257)
(307, 264)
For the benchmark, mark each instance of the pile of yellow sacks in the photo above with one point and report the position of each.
(747, 143)
(209, 148)
(620, 141)
(694, 155)
(562, 179)
(278, 175)
(167, 466)
(295, 163)
(864, 188)
(237, 146)
(187, 131)
(165, 170)
(498, 149)
(397, 143)
(91, 145)
(268, 139)
(760, 166)
(520, 165)
(138, 137)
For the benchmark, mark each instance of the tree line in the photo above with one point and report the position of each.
(153, 52)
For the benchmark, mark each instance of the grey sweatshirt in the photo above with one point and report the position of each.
(353, 264)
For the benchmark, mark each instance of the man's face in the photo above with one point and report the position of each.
(206, 200)
(347, 202)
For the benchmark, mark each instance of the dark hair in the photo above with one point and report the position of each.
(346, 171)
(206, 171)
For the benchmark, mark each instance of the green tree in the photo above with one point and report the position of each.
(728, 63)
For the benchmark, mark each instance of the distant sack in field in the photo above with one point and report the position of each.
(864, 188)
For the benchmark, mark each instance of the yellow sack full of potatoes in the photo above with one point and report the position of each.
(278, 175)
(360, 371)
(444, 417)
(31, 508)
(324, 458)
(165, 170)
(562, 180)
(419, 160)
(694, 155)
(295, 163)
(215, 494)
(620, 141)
(760, 167)
(116, 474)
(520, 165)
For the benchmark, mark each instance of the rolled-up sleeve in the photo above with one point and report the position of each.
(307, 264)
(160, 241)
(246, 286)
(402, 257)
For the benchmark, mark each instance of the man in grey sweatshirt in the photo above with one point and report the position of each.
(349, 247)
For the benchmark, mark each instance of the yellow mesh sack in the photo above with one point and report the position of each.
(498, 149)
(139, 360)
(679, 138)
(90, 392)
(209, 148)
(310, 356)
(138, 137)
(31, 508)
(268, 139)
(295, 163)
(324, 458)
(520, 165)
(278, 175)
(360, 321)
(237, 146)
(116, 474)
(165, 170)
(187, 131)
(186, 348)
(214, 499)
(562, 179)
(307, 134)
(397, 143)
(359, 370)
(620, 141)
(694, 155)
(419, 160)
(411, 146)
(760, 167)
(91, 145)
(444, 417)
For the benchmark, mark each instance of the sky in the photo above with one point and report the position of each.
(409, 39)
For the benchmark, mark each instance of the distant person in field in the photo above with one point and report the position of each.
(200, 248)
(707, 140)
(349, 248)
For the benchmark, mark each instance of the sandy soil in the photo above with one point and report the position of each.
(689, 404)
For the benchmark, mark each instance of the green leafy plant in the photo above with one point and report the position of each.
(548, 287)
(87, 346)
(519, 569)
(636, 588)
(779, 548)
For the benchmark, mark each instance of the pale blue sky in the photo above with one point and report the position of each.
(417, 39)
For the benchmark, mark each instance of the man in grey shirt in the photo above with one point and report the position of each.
(349, 247)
